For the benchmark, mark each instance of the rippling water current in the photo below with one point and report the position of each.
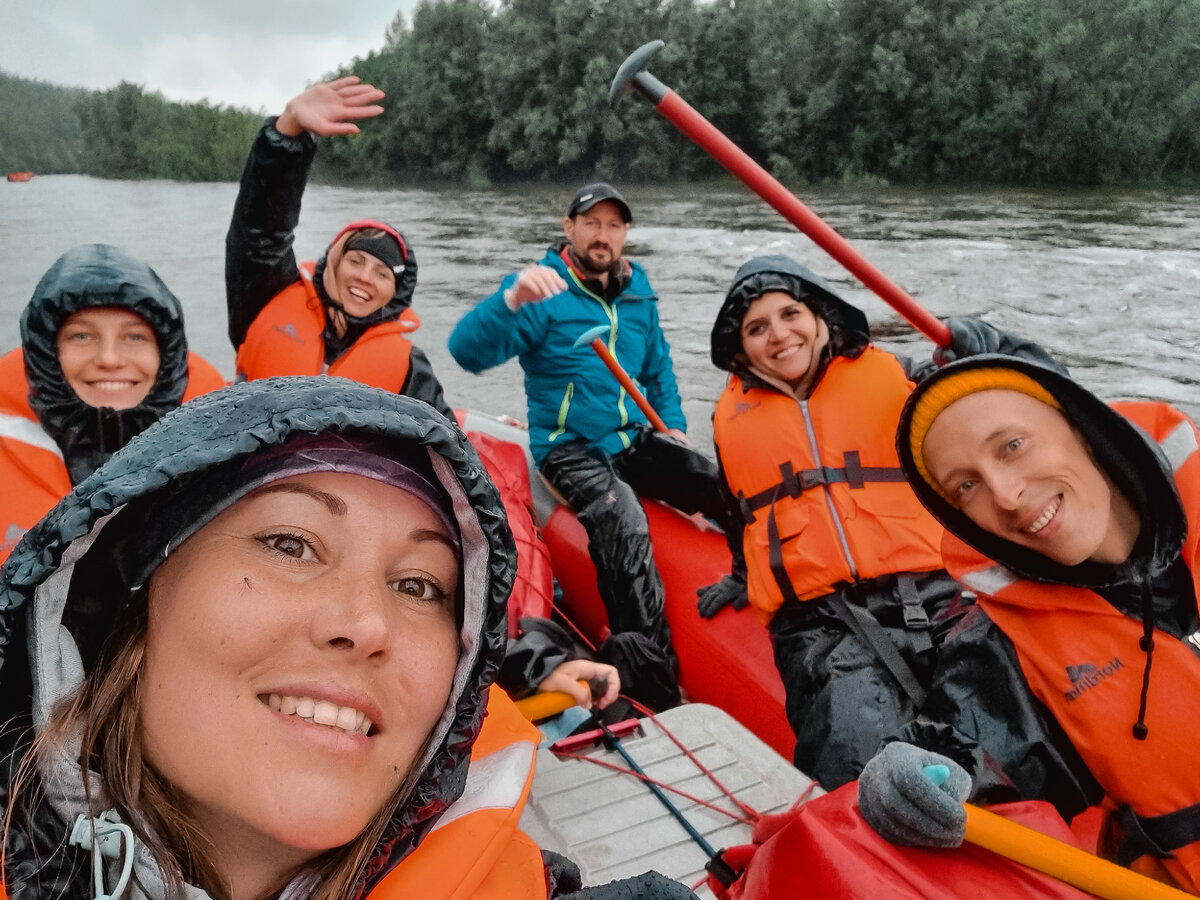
(1109, 282)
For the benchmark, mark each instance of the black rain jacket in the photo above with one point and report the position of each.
(260, 261)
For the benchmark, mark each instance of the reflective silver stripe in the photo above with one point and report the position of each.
(27, 432)
(989, 581)
(494, 782)
(1179, 445)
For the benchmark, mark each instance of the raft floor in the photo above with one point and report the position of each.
(613, 827)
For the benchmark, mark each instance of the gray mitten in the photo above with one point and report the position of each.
(914, 797)
(968, 337)
(716, 596)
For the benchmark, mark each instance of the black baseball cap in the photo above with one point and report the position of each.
(591, 194)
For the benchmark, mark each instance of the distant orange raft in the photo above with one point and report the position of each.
(19, 176)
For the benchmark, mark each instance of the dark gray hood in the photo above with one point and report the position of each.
(39, 611)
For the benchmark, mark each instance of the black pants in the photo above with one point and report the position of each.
(841, 699)
(604, 493)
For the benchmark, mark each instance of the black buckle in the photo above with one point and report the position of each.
(719, 869)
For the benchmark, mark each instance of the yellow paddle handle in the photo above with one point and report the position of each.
(1062, 861)
(543, 705)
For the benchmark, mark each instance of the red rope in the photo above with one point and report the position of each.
(578, 631)
(750, 812)
(655, 781)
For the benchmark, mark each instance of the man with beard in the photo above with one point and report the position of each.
(589, 439)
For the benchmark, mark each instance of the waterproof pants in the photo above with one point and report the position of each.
(841, 698)
(604, 492)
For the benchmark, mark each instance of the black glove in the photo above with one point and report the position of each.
(914, 797)
(715, 597)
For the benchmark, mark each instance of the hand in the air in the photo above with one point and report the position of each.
(330, 108)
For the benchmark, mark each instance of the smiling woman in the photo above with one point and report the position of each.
(103, 355)
(270, 641)
(350, 312)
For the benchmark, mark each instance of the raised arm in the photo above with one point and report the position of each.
(259, 260)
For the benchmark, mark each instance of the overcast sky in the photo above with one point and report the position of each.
(249, 53)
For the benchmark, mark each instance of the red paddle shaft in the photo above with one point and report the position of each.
(675, 109)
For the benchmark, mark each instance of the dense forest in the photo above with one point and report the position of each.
(905, 91)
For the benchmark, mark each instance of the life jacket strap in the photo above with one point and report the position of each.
(1156, 835)
(792, 483)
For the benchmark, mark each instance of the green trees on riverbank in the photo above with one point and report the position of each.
(910, 91)
(120, 133)
(1066, 92)
(132, 134)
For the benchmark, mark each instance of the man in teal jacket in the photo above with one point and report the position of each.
(587, 435)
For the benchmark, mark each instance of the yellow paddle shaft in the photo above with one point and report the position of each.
(1062, 861)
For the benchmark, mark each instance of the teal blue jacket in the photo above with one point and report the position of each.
(569, 392)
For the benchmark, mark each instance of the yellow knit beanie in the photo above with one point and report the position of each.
(940, 395)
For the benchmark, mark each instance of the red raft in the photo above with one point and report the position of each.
(19, 176)
(726, 662)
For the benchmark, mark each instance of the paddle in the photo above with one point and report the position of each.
(1062, 861)
(592, 337)
(633, 75)
(1044, 854)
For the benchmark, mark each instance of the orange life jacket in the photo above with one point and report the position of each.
(32, 470)
(822, 476)
(476, 851)
(286, 338)
(1082, 658)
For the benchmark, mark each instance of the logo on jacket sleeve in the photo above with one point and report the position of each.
(1086, 676)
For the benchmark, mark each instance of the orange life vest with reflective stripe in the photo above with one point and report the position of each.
(1082, 658)
(32, 471)
(476, 850)
(824, 471)
(286, 338)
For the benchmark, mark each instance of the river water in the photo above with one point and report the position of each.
(1109, 282)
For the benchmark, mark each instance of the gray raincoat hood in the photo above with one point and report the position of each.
(40, 611)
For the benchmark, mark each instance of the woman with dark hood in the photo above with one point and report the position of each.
(251, 657)
(350, 312)
(1077, 525)
(837, 557)
(103, 355)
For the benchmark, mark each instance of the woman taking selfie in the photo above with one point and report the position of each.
(260, 644)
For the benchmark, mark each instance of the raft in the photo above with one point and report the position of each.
(19, 176)
(726, 662)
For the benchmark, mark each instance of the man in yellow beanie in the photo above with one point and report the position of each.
(1077, 525)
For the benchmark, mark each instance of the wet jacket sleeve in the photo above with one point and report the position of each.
(259, 260)
(421, 383)
(650, 886)
(735, 532)
(491, 333)
(658, 377)
(531, 657)
(981, 713)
